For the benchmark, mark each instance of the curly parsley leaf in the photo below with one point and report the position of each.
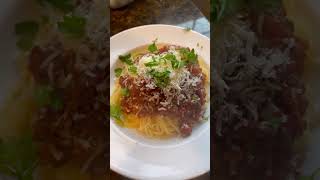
(152, 63)
(153, 47)
(162, 78)
(133, 69)
(190, 57)
(118, 72)
(73, 26)
(18, 157)
(170, 57)
(174, 62)
(26, 32)
(115, 112)
(126, 59)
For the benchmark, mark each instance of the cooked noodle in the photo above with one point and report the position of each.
(154, 127)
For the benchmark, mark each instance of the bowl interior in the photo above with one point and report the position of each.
(124, 42)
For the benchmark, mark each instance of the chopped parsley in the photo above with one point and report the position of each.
(26, 32)
(125, 92)
(133, 69)
(126, 59)
(73, 26)
(170, 57)
(174, 62)
(118, 72)
(152, 47)
(62, 5)
(162, 79)
(115, 112)
(152, 63)
(190, 57)
(45, 95)
(18, 157)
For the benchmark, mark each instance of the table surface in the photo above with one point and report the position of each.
(173, 12)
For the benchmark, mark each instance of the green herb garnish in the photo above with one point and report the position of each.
(18, 157)
(62, 5)
(133, 69)
(73, 26)
(170, 57)
(152, 63)
(125, 92)
(190, 57)
(152, 47)
(26, 32)
(162, 78)
(126, 59)
(174, 62)
(115, 112)
(118, 72)
(45, 95)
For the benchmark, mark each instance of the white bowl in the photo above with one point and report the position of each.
(139, 157)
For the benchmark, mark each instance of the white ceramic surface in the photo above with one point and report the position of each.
(141, 158)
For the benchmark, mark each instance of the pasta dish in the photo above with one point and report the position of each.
(160, 90)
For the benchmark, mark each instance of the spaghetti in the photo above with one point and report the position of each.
(161, 93)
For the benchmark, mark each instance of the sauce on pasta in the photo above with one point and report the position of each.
(160, 91)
